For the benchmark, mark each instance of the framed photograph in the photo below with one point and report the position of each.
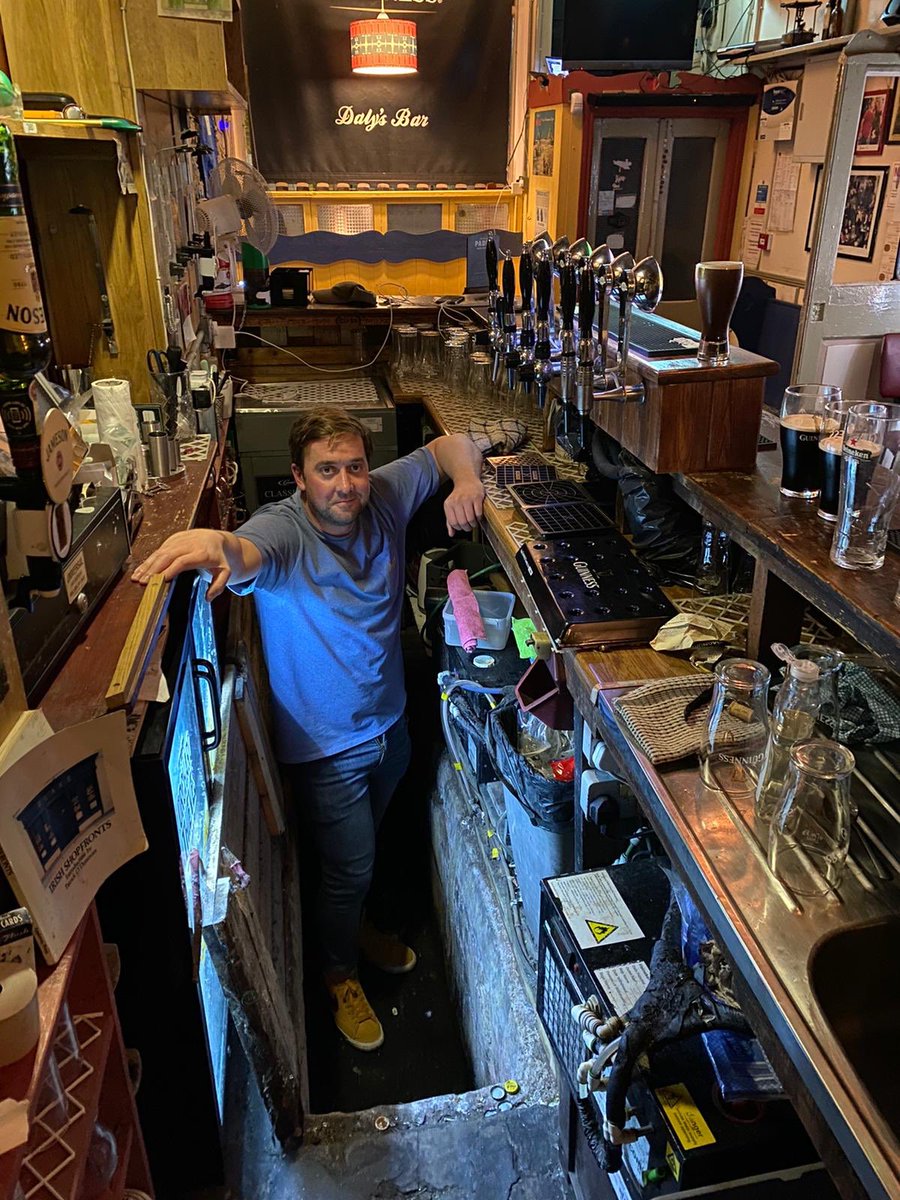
(813, 208)
(544, 138)
(862, 211)
(893, 132)
(873, 119)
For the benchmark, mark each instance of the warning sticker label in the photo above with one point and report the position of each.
(685, 1117)
(595, 910)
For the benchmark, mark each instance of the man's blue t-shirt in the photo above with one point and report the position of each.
(329, 613)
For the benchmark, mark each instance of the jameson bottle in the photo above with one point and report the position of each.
(24, 351)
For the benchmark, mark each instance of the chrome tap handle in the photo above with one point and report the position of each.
(623, 286)
(601, 261)
(586, 307)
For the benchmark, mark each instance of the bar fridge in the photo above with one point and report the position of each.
(172, 1006)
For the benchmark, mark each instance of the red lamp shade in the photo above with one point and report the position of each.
(385, 46)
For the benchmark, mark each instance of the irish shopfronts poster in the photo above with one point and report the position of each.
(314, 120)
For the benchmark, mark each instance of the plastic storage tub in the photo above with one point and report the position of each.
(496, 615)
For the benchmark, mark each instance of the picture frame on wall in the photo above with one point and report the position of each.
(893, 129)
(873, 120)
(862, 213)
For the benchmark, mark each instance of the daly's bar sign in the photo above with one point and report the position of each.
(316, 120)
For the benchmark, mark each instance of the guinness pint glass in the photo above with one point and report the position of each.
(802, 415)
(718, 285)
(831, 443)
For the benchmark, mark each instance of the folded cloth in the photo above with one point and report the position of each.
(465, 610)
(683, 630)
(654, 716)
(870, 712)
(498, 437)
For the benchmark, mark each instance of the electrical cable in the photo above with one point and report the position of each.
(326, 370)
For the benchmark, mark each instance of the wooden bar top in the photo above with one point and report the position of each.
(78, 692)
(786, 536)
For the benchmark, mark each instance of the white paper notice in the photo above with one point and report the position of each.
(624, 985)
(889, 240)
(596, 913)
(783, 205)
(541, 209)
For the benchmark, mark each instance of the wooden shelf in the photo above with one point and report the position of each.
(63, 130)
(786, 55)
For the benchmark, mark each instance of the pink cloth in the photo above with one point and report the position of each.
(465, 610)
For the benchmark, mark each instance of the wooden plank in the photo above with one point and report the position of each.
(261, 754)
(133, 660)
(252, 830)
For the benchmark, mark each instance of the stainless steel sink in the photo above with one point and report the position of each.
(855, 978)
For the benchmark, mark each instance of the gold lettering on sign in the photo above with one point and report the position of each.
(370, 120)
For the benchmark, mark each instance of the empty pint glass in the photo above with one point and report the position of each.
(802, 414)
(718, 285)
(870, 486)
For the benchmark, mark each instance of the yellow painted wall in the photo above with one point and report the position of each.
(554, 197)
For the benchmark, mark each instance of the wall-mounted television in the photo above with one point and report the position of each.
(624, 35)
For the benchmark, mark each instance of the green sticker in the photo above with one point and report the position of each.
(523, 628)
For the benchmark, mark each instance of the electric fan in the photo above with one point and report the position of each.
(237, 208)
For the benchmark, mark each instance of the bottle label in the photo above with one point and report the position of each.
(21, 309)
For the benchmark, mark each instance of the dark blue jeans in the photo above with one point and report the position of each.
(342, 800)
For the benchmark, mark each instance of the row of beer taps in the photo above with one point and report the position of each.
(529, 353)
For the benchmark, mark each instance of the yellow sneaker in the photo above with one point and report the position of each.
(385, 950)
(353, 1014)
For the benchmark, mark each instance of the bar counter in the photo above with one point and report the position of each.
(769, 936)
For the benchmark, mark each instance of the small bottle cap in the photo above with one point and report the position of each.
(804, 670)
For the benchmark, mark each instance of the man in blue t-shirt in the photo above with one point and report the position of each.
(326, 569)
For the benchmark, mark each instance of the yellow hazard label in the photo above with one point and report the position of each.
(685, 1117)
(673, 1161)
(600, 930)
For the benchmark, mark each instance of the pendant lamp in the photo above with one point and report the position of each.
(383, 46)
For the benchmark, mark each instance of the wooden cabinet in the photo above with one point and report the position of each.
(71, 1085)
(817, 96)
(100, 51)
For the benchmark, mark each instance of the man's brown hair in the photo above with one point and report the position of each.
(326, 424)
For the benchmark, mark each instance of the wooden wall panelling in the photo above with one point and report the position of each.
(71, 46)
(60, 175)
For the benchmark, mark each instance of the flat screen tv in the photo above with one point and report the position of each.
(624, 35)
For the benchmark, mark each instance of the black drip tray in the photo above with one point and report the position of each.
(593, 591)
(552, 520)
(551, 491)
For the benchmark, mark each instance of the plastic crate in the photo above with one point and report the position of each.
(496, 610)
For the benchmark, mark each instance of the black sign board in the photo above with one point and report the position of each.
(314, 120)
(476, 262)
(270, 488)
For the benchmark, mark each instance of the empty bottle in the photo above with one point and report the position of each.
(793, 720)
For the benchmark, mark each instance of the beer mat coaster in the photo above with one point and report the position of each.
(525, 473)
(196, 449)
(654, 716)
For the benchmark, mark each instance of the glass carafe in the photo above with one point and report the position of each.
(810, 833)
(737, 729)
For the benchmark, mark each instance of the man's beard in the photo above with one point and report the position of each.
(335, 515)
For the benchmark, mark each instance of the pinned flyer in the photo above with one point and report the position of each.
(595, 910)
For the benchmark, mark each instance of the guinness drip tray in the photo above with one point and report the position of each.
(592, 590)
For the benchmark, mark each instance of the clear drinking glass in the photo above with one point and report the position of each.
(870, 486)
(481, 384)
(830, 663)
(407, 343)
(831, 441)
(430, 366)
(737, 729)
(810, 833)
(802, 412)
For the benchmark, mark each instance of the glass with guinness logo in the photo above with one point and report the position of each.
(802, 411)
(870, 486)
(831, 441)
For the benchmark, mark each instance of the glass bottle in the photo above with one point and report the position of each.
(810, 833)
(737, 730)
(793, 720)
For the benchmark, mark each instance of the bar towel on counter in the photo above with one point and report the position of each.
(465, 610)
(654, 716)
(498, 437)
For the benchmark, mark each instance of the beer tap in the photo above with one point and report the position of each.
(567, 359)
(586, 345)
(638, 284)
(510, 331)
(543, 348)
(495, 303)
(527, 337)
(601, 260)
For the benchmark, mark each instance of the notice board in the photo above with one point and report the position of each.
(315, 121)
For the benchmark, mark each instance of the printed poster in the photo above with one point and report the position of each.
(544, 140)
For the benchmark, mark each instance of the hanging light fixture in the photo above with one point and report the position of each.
(383, 46)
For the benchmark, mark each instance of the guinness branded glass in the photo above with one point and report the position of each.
(831, 441)
(870, 486)
(802, 413)
(718, 285)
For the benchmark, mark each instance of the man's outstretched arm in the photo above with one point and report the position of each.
(459, 459)
(227, 557)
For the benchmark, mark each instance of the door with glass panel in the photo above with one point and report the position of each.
(655, 189)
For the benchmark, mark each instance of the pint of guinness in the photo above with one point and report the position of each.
(718, 285)
(802, 418)
(831, 443)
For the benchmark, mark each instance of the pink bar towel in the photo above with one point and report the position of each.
(465, 610)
